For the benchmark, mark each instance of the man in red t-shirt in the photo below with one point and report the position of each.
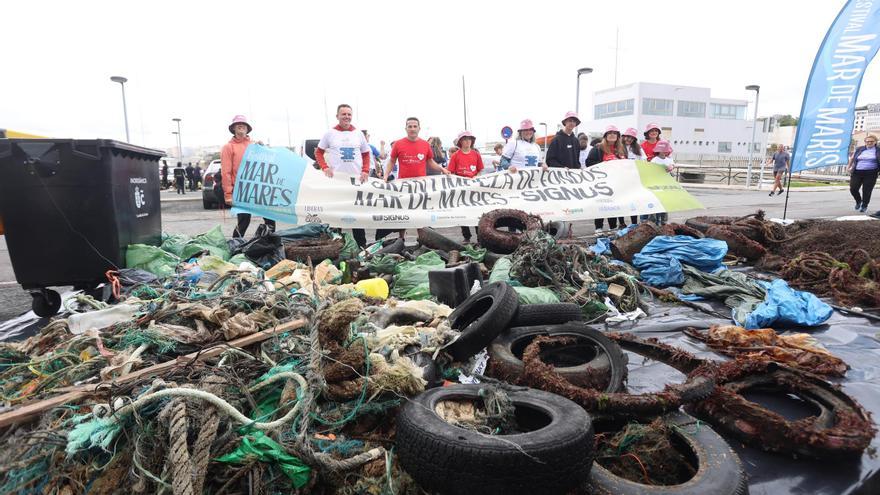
(414, 156)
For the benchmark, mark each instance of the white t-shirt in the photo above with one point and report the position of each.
(522, 153)
(342, 150)
(640, 156)
(663, 161)
(582, 158)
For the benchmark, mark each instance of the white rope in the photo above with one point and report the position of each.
(220, 404)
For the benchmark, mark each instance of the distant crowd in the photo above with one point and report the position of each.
(346, 149)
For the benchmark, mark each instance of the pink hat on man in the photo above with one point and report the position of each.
(631, 132)
(663, 146)
(464, 134)
(240, 119)
(571, 115)
(611, 128)
(526, 125)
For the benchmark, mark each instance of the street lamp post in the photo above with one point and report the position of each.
(177, 137)
(757, 90)
(121, 80)
(577, 94)
(179, 140)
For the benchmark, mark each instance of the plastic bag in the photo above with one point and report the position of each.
(536, 295)
(382, 264)
(659, 270)
(501, 272)
(257, 446)
(475, 254)
(602, 246)
(308, 231)
(350, 249)
(705, 254)
(174, 243)
(784, 305)
(238, 259)
(212, 241)
(411, 277)
(152, 259)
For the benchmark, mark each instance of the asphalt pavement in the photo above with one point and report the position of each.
(185, 214)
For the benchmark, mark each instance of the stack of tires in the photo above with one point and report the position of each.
(553, 447)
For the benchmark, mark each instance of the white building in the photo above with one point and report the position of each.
(689, 117)
(867, 118)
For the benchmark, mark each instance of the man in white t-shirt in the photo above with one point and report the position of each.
(345, 149)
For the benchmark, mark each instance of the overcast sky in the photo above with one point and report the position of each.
(207, 61)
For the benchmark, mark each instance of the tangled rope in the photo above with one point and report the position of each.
(574, 273)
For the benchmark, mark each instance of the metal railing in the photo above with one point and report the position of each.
(733, 170)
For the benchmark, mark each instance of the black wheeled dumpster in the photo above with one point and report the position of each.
(71, 206)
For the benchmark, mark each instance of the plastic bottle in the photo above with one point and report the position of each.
(373, 287)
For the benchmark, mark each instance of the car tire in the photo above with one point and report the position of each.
(554, 457)
(719, 469)
(480, 318)
(547, 314)
(593, 355)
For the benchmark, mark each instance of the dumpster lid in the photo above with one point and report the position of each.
(84, 145)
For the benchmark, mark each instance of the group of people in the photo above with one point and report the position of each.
(345, 149)
(184, 177)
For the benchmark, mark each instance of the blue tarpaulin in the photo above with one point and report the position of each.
(783, 305)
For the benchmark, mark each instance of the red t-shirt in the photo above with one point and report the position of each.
(412, 156)
(466, 164)
(608, 157)
(649, 149)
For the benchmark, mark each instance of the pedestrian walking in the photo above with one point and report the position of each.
(863, 167)
(179, 178)
(344, 149)
(781, 163)
(230, 159)
(466, 162)
(522, 152)
(165, 183)
(197, 175)
(565, 149)
(652, 137)
(610, 148)
(415, 157)
(190, 177)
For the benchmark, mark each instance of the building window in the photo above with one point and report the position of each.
(656, 106)
(734, 112)
(724, 146)
(614, 109)
(691, 109)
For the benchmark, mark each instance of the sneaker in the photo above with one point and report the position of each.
(858, 206)
(780, 192)
(863, 209)
(771, 194)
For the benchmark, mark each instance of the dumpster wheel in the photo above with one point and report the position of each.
(46, 302)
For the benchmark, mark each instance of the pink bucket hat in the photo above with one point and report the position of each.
(611, 128)
(652, 126)
(464, 134)
(526, 125)
(663, 146)
(631, 132)
(240, 119)
(571, 115)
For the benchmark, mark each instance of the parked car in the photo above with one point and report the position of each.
(210, 181)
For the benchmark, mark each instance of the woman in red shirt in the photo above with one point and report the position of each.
(611, 148)
(652, 137)
(466, 162)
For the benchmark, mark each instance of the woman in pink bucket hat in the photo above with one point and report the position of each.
(631, 143)
(230, 159)
(652, 136)
(611, 148)
(466, 162)
(522, 152)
